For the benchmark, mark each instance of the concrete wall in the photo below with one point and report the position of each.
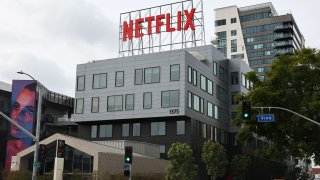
(113, 164)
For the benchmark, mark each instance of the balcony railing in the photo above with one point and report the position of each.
(282, 36)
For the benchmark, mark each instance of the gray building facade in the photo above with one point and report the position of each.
(161, 98)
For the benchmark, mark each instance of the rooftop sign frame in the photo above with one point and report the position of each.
(162, 28)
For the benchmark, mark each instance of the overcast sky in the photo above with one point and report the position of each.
(48, 38)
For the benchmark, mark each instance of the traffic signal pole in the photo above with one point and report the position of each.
(288, 110)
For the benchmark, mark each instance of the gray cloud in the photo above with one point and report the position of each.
(78, 20)
(50, 74)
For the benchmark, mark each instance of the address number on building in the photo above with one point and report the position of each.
(174, 111)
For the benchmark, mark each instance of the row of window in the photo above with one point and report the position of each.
(222, 22)
(258, 38)
(260, 54)
(146, 76)
(259, 46)
(256, 16)
(206, 131)
(246, 82)
(261, 28)
(197, 103)
(206, 84)
(241, 56)
(115, 103)
(262, 69)
(261, 61)
(134, 129)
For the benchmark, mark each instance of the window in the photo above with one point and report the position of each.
(138, 76)
(210, 109)
(189, 100)
(243, 80)
(234, 49)
(233, 20)
(233, 42)
(136, 129)
(80, 83)
(223, 136)
(223, 74)
(234, 78)
(162, 151)
(175, 72)
(203, 130)
(152, 75)
(99, 81)
(147, 100)
(94, 131)
(158, 128)
(170, 99)
(197, 103)
(222, 94)
(194, 77)
(95, 105)
(79, 106)
(216, 112)
(213, 133)
(234, 101)
(125, 130)
(220, 22)
(105, 130)
(203, 83)
(115, 103)
(119, 78)
(129, 102)
(233, 32)
(210, 86)
(189, 74)
(215, 67)
(181, 127)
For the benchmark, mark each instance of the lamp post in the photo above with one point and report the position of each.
(36, 151)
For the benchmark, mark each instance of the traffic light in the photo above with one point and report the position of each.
(128, 154)
(42, 152)
(246, 110)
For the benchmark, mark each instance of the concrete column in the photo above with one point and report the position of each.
(58, 168)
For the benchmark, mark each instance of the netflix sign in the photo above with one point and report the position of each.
(130, 32)
(161, 28)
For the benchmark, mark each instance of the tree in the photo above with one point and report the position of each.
(293, 87)
(240, 165)
(214, 157)
(181, 162)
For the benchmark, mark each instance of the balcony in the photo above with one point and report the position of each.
(282, 36)
(283, 51)
(283, 44)
(283, 28)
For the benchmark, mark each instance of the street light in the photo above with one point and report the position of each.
(310, 66)
(36, 151)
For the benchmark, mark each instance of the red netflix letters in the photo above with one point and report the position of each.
(128, 27)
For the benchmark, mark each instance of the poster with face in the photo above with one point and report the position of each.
(22, 111)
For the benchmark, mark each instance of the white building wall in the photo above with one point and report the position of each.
(228, 13)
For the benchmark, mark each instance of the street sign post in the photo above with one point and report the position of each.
(266, 118)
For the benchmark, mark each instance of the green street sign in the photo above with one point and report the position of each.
(37, 164)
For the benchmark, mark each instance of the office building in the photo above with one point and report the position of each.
(256, 34)
(184, 95)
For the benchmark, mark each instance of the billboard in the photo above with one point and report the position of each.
(161, 28)
(22, 111)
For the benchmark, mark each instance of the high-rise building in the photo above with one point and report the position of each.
(256, 34)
